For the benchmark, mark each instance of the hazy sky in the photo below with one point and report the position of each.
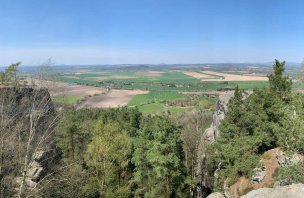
(150, 31)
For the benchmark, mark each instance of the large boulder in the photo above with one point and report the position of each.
(291, 191)
(216, 195)
(258, 175)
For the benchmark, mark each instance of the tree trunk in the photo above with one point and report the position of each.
(1, 155)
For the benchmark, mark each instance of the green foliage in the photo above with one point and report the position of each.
(121, 153)
(151, 108)
(155, 96)
(74, 133)
(268, 118)
(158, 158)
(106, 157)
(278, 83)
(71, 100)
(250, 128)
(2, 78)
(291, 174)
(9, 76)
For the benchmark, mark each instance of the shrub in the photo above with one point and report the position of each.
(291, 174)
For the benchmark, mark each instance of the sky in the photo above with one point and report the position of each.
(150, 31)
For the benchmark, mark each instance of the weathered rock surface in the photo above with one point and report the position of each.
(258, 175)
(220, 112)
(296, 158)
(291, 191)
(210, 135)
(216, 195)
(284, 160)
(17, 105)
(40, 165)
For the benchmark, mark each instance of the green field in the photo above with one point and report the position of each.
(70, 100)
(155, 96)
(162, 84)
(155, 102)
(158, 102)
(165, 85)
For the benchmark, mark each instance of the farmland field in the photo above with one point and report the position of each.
(164, 80)
(155, 96)
(66, 99)
(157, 102)
(111, 99)
(155, 89)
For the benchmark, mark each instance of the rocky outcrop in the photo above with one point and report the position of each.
(291, 191)
(25, 109)
(285, 160)
(220, 112)
(210, 135)
(258, 175)
(40, 165)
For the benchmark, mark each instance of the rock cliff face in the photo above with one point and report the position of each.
(206, 184)
(221, 110)
(209, 136)
(20, 109)
(212, 133)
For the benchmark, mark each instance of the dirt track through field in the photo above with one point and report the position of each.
(115, 98)
(233, 77)
(150, 73)
(197, 75)
(211, 76)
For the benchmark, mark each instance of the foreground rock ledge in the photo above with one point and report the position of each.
(216, 195)
(291, 191)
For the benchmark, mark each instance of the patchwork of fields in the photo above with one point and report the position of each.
(158, 102)
(163, 80)
(150, 90)
(111, 99)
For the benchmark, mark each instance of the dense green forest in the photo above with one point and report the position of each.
(269, 118)
(121, 153)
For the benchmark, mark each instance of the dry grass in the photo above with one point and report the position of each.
(198, 75)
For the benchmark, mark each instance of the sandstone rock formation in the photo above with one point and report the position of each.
(216, 195)
(285, 160)
(210, 135)
(258, 175)
(291, 191)
(27, 116)
(221, 110)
